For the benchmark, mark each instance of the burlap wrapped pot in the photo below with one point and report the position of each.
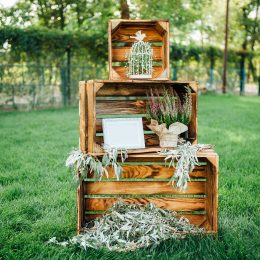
(167, 137)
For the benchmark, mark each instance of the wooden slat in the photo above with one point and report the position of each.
(193, 126)
(118, 187)
(82, 116)
(123, 34)
(129, 88)
(154, 171)
(91, 115)
(176, 204)
(98, 116)
(142, 196)
(96, 179)
(121, 72)
(120, 53)
(121, 107)
(212, 193)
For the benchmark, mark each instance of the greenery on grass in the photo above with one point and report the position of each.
(38, 198)
(128, 227)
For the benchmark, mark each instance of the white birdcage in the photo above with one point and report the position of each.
(140, 58)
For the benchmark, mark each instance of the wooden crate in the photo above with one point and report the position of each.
(119, 44)
(111, 99)
(146, 179)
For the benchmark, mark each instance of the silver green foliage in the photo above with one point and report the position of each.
(186, 157)
(87, 163)
(127, 227)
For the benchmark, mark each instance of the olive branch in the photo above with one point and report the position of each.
(86, 163)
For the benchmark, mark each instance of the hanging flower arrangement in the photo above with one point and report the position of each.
(140, 58)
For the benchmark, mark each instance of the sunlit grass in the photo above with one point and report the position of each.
(38, 199)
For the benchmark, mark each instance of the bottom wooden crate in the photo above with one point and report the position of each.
(146, 179)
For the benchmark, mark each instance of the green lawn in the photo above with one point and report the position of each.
(37, 192)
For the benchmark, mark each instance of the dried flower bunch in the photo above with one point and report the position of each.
(168, 107)
(127, 227)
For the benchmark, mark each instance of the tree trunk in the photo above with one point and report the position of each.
(124, 9)
(224, 85)
(251, 67)
(242, 74)
(68, 74)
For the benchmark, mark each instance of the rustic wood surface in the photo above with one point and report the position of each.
(120, 53)
(176, 204)
(119, 187)
(153, 171)
(156, 32)
(212, 193)
(91, 104)
(113, 106)
(82, 116)
(104, 98)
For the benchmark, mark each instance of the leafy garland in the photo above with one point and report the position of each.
(87, 163)
(186, 157)
(127, 227)
(185, 154)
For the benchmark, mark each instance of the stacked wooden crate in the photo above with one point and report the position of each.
(145, 174)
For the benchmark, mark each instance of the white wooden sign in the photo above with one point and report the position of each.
(125, 133)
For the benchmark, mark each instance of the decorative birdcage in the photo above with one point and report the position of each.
(140, 58)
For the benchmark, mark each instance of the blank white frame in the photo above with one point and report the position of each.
(122, 133)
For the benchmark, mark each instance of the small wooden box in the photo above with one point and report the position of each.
(113, 99)
(146, 179)
(119, 44)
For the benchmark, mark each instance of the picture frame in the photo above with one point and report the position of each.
(123, 133)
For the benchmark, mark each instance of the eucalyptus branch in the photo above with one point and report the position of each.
(186, 159)
(127, 227)
(87, 163)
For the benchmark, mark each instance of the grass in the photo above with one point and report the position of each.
(37, 192)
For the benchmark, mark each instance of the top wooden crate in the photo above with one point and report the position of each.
(119, 44)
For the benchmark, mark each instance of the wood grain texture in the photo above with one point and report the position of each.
(121, 107)
(82, 116)
(212, 192)
(80, 205)
(176, 204)
(120, 53)
(120, 31)
(91, 115)
(153, 171)
(123, 34)
(117, 187)
(193, 126)
(119, 88)
(120, 72)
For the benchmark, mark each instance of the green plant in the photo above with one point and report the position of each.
(87, 164)
(127, 227)
(186, 157)
(169, 108)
